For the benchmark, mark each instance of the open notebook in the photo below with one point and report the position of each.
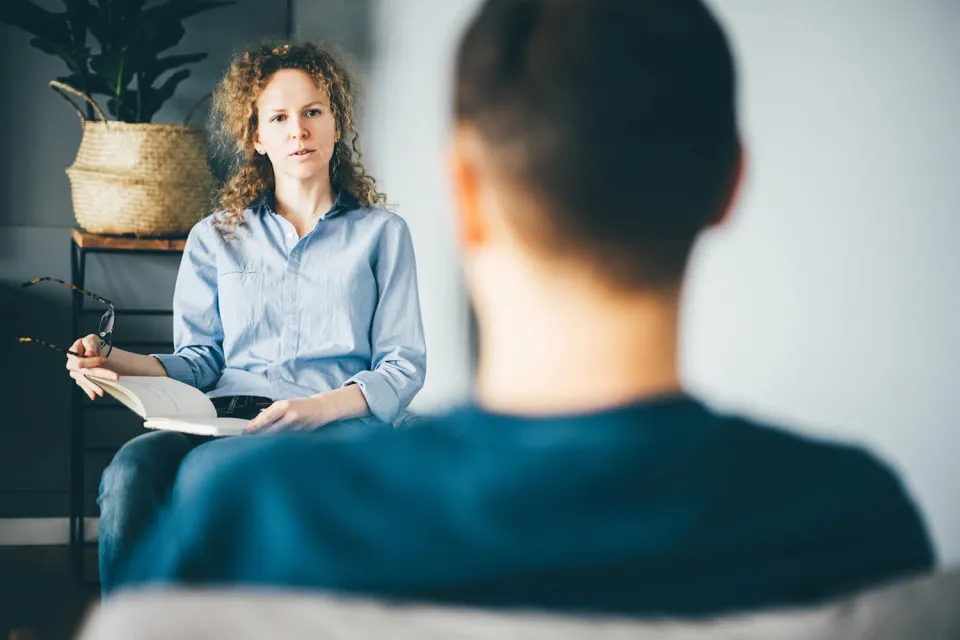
(165, 403)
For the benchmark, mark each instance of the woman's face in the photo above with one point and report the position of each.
(295, 127)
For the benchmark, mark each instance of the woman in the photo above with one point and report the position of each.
(302, 289)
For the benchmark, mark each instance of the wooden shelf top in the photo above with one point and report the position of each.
(126, 243)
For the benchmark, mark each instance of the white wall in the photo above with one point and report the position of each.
(406, 126)
(832, 300)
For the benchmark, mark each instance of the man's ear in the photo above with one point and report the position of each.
(733, 189)
(465, 180)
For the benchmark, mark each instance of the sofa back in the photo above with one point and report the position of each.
(925, 608)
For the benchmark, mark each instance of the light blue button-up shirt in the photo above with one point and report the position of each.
(268, 313)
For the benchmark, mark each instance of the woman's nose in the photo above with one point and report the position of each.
(298, 131)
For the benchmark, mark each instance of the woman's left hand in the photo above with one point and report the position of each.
(301, 414)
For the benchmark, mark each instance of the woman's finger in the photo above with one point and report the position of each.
(258, 423)
(82, 381)
(264, 420)
(91, 345)
(85, 383)
(86, 389)
(278, 425)
(106, 374)
(74, 363)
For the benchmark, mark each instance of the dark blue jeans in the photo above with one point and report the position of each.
(133, 489)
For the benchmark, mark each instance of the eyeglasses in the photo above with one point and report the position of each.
(105, 330)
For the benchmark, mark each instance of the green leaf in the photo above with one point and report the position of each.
(76, 59)
(112, 20)
(131, 8)
(111, 66)
(161, 34)
(97, 22)
(161, 65)
(77, 20)
(46, 25)
(153, 99)
(125, 111)
(131, 33)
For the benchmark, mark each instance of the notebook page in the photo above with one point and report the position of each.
(161, 397)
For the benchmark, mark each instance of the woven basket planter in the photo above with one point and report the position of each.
(146, 180)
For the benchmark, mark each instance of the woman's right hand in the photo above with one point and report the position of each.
(91, 364)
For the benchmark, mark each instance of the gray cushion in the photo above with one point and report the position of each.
(927, 607)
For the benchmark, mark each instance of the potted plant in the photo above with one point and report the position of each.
(130, 176)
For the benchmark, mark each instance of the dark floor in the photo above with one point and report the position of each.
(39, 593)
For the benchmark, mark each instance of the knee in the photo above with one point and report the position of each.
(122, 474)
(209, 461)
(193, 469)
(146, 462)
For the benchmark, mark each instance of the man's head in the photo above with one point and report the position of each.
(595, 133)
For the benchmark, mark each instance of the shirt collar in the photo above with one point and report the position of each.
(342, 203)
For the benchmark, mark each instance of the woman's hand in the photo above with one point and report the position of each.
(301, 414)
(305, 414)
(91, 364)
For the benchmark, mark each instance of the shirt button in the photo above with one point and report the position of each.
(291, 235)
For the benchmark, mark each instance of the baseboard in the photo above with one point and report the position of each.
(42, 531)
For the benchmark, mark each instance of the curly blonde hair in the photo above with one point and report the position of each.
(234, 117)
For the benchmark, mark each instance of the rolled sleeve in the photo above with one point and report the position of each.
(177, 368)
(399, 352)
(383, 401)
(198, 358)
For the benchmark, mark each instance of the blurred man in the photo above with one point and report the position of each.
(593, 141)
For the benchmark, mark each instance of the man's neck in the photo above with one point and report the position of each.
(303, 203)
(561, 346)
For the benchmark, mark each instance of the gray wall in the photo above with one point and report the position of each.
(347, 24)
(408, 118)
(41, 134)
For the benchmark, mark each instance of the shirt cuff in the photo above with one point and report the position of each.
(381, 398)
(177, 368)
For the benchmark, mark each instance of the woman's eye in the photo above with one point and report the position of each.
(278, 118)
(313, 112)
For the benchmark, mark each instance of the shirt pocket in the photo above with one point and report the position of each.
(240, 300)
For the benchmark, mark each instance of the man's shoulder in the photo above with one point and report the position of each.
(842, 481)
(786, 451)
(843, 491)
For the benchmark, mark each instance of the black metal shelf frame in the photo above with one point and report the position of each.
(79, 403)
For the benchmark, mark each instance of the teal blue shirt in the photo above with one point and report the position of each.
(271, 314)
(662, 507)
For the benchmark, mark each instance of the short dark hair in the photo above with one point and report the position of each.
(617, 116)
